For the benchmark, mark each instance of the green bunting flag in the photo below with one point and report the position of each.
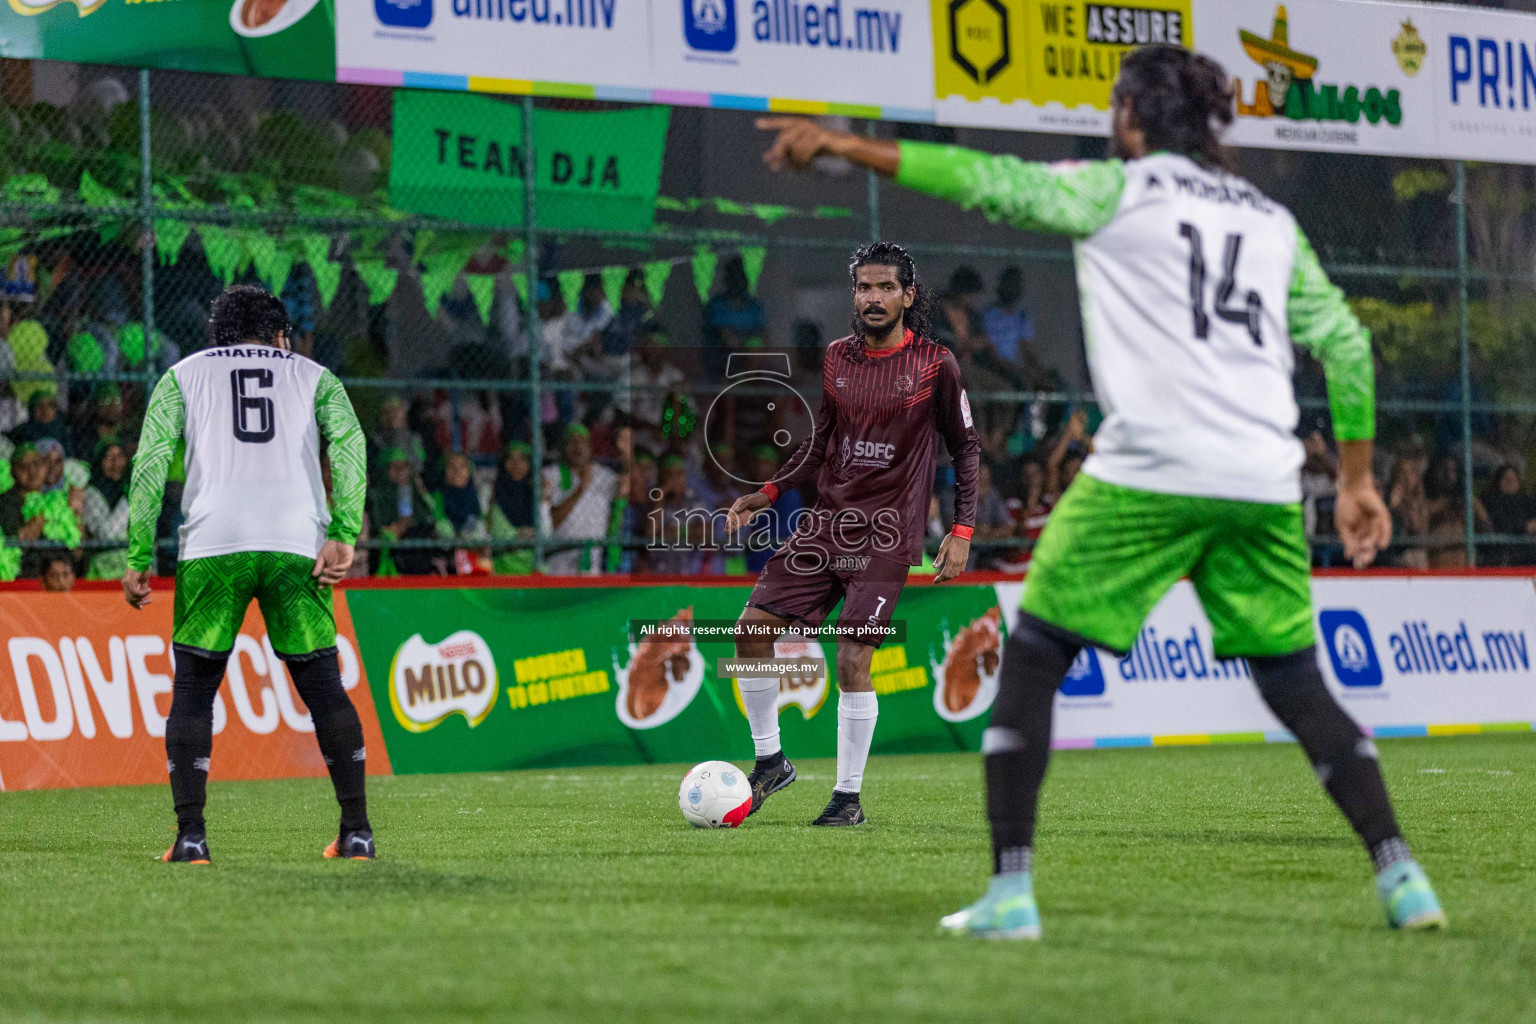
(752, 263)
(244, 237)
(170, 237)
(94, 193)
(327, 280)
(570, 286)
(704, 260)
(613, 285)
(273, 263)
(379, 279)
(656, 274)
(482, 287)
(441, 270)
(317, 253)
(223, 251)
(770, 214)
(520, 282)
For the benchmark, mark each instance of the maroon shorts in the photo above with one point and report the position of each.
(868, 588)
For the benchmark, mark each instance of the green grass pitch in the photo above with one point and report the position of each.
(1185, 884)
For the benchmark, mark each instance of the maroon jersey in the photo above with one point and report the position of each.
(877, 434)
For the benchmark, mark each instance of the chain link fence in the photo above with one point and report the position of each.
(491, 324)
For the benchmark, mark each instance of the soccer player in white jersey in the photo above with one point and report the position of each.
(256, 525)
(1194, 287)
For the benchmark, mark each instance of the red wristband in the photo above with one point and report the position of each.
(770, 490)
(963, 532)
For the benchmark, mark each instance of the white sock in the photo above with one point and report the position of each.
(856, 714)
(760, 695)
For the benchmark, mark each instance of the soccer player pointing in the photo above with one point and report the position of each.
(889, 393)
(1194, 287)
(256, 525)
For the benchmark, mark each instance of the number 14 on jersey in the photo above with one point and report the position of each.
(1247, 314)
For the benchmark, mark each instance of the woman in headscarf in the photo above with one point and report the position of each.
(511, 512)
(53, 463)
(105, 512)
(458, 500)
(1512, 512)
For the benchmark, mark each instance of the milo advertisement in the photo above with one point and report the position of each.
(490, 679)
(271, 38)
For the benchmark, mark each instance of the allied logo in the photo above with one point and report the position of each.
(1350, 649)
(847, 451)
(1085, 677)
(1409, 49)
(709, 25)
(1290, 87)
(429, 682)
(403, 13)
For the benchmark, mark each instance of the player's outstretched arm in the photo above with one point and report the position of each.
(1075, 198)
(1322, 322)
(349, 477)
(164, 421)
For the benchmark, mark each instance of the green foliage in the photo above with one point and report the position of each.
(1413, 182)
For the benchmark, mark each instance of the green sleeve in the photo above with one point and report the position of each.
(349, 458)
(164, 421)
(1069, 198)
(1322, 323)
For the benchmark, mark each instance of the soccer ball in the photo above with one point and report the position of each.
(715, 794)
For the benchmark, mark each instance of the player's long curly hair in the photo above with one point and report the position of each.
(1182, 101)
(919, 318)
(243, 314)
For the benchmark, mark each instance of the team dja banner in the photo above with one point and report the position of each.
(461, 157)
(85, 686)
(491, 678)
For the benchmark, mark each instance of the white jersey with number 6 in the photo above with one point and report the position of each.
(253, 452)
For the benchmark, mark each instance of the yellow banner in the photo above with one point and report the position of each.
(1065, 52)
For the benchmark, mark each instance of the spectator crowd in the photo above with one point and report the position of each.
(628, 483)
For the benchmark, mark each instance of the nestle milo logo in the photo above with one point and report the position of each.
(429, 682)
(1290, 86)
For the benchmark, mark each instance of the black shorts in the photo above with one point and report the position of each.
(867, 586)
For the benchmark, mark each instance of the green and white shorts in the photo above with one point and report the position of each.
(212, 595)
(1108, 555)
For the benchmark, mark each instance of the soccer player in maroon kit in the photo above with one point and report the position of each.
(889, 393)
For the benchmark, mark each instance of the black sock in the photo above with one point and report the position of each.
(1343, 756)
(1017, 743)
(189, 735)
(339, 732)
(773, 760)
